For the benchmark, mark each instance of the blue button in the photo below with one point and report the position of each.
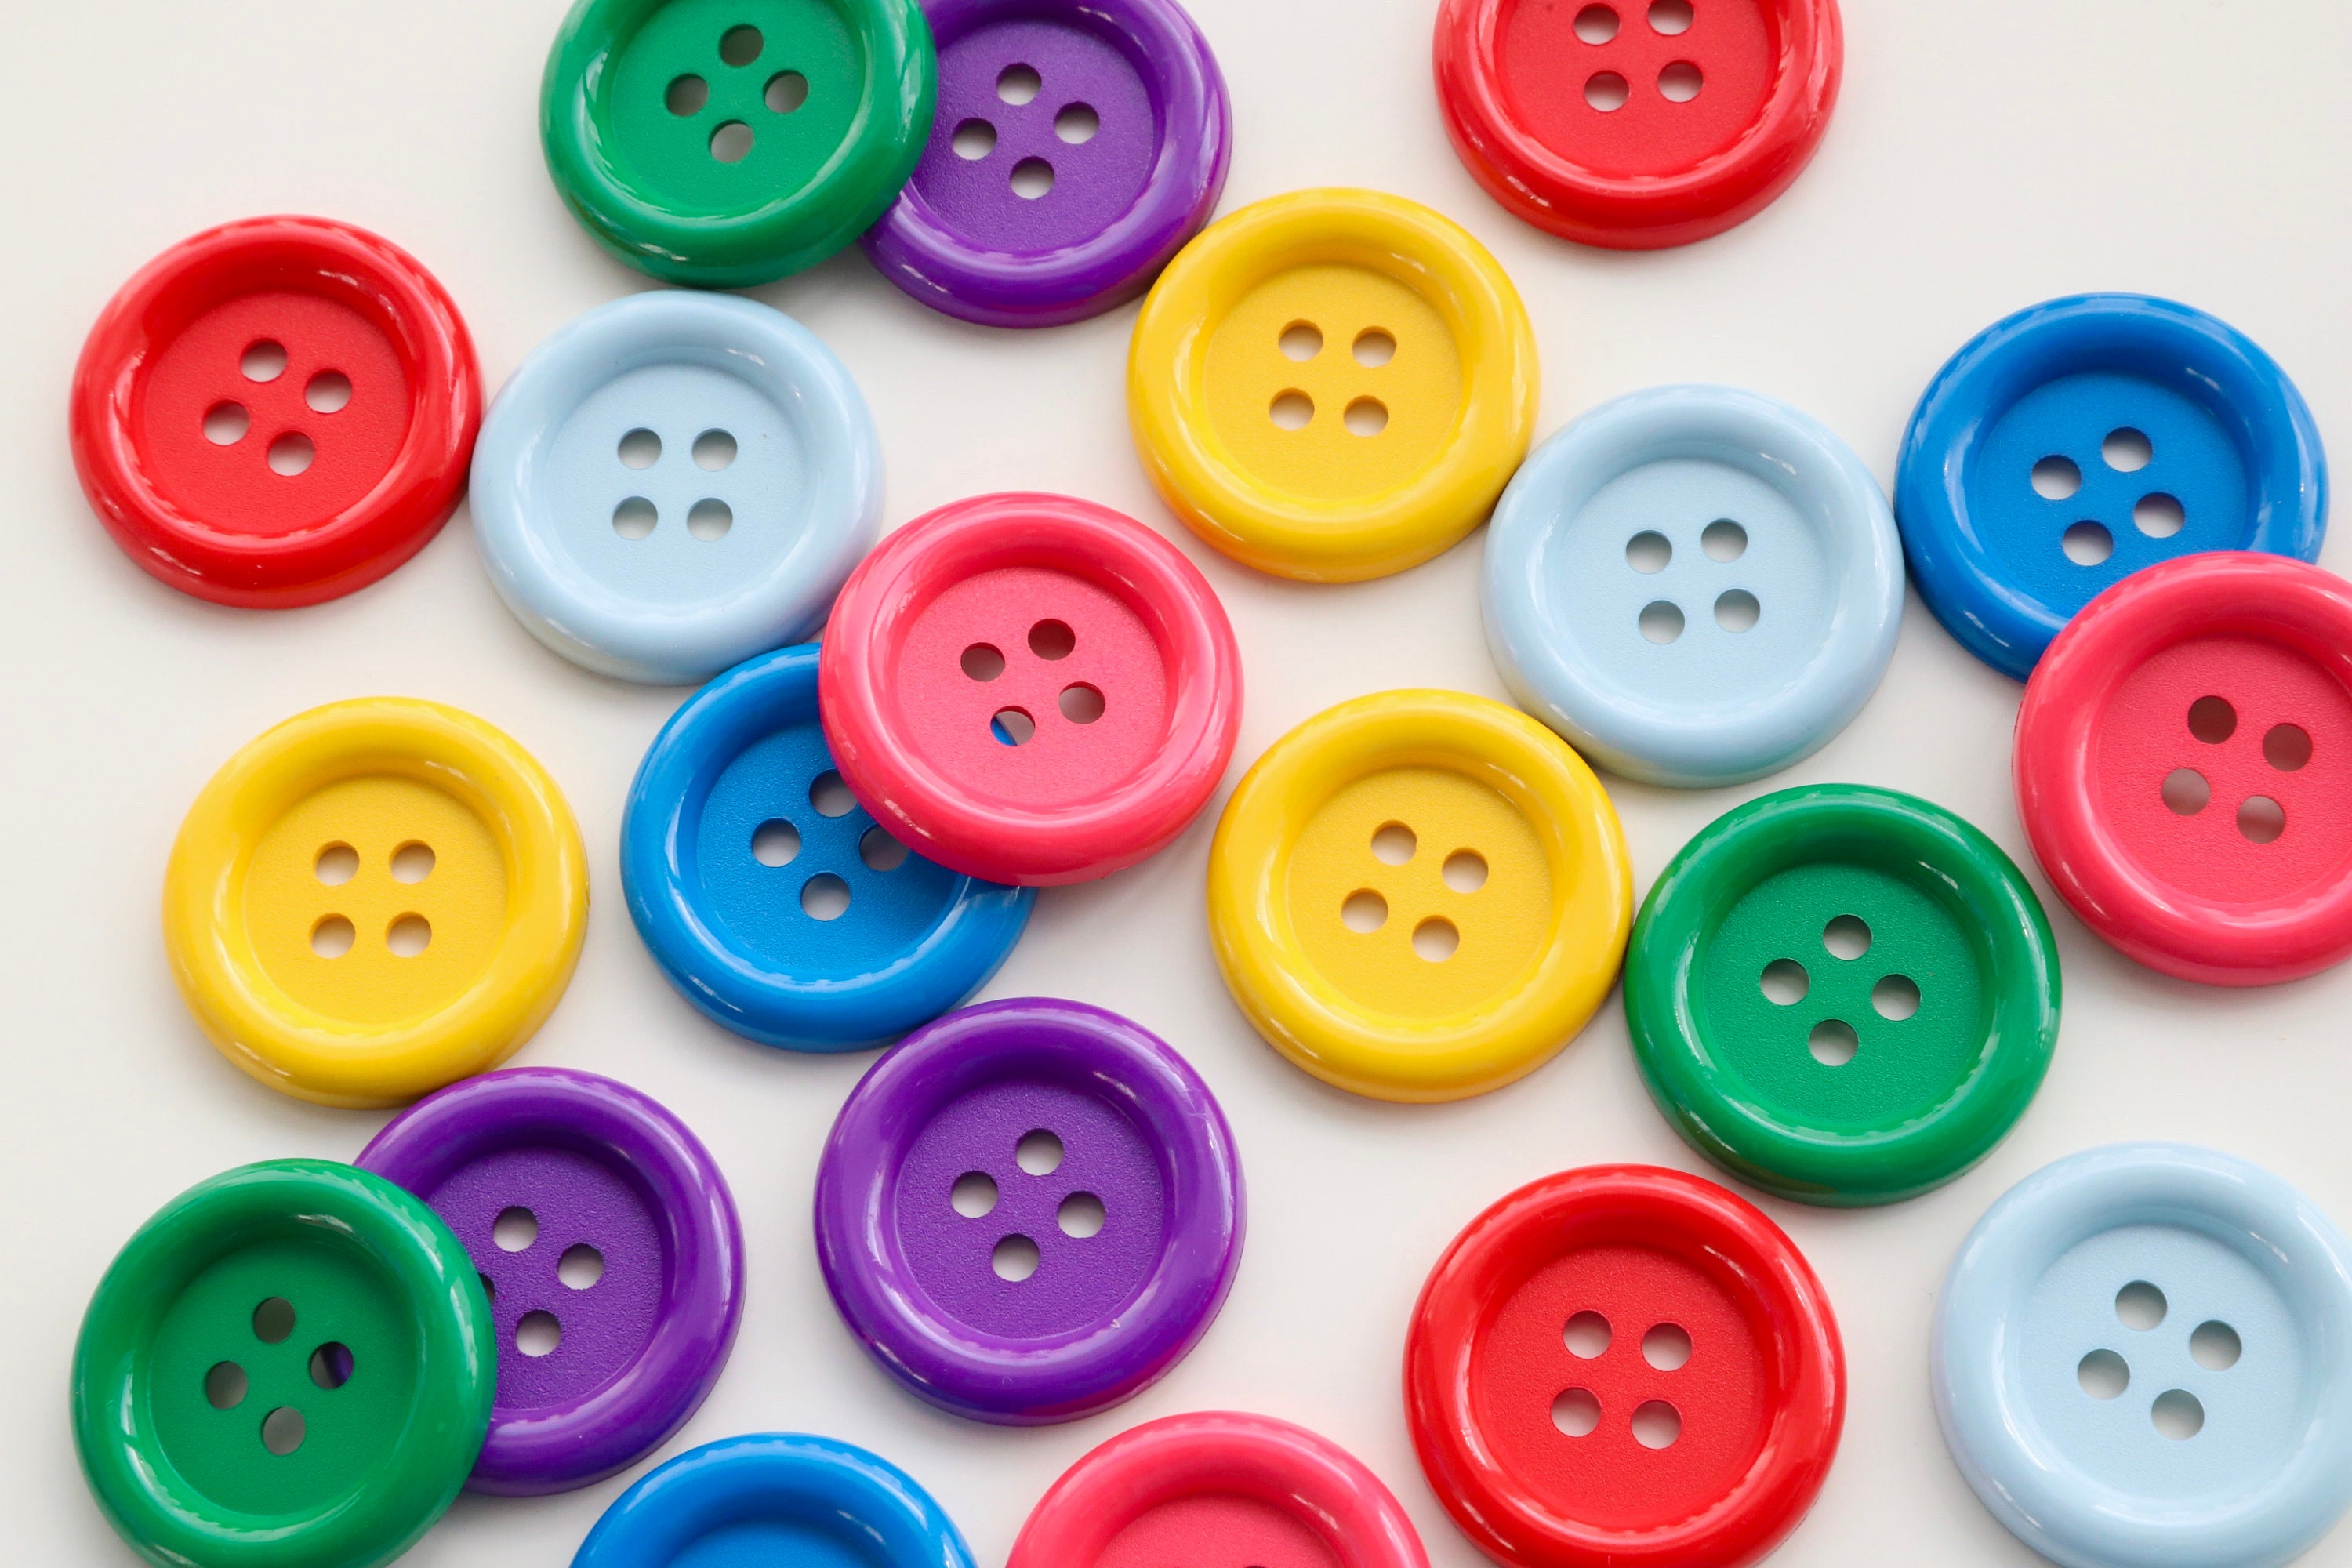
(753, 1501)
(674, 482)
(1695, 585)
(771, 900)
(2079, 440)
(2143, 1359)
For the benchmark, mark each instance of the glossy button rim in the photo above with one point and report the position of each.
(2102, 880)
(2205, 356)
(1654, 743)
(283, 1043)
(601, 628)
(2029, 1486)
(766, 1474)
(934, 813)
(140, 1490)
(370, 538)
(1702, 1096)
(1649, 211)
(1060, 1377)
(925, 255)
(1226, 1454)
(1302, 537)
(1313, 1021)
(785, 234)
(1503, 1248)
(733, 986)
(529, 1453)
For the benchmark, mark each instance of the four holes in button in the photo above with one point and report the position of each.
(2213, 721)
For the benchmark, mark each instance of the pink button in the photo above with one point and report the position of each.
(1030, 688)
(2184, 767)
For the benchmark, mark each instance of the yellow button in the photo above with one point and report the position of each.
(374, 899)
(1332, 385)
(1420, 895)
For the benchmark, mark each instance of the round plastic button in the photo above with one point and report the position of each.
(374, 899)
(1031, 689)
(1622, 1366)
(1696, 585)
(289, 1367)
(1079, 143)
(771, 900)
(1029, 1211)
(1637, 124)
(775, 1497)
(2182, 763)
(2139, 1361)
(276, 412)
(674, 482)
(1332, 385)
(608, 1242)
(2083, 438)
(1842, 995)
(1420, 895)
(1218, 1487)
(728, 146)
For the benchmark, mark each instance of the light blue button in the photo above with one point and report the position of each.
(1695, 585)
(674, 482)
(2143, 1359)
(771, 900)
(771, 1498)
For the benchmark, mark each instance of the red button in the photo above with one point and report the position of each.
(1216, 1488)
(276, 412)
(1624, 1366)
(1637, 124)
(1030, 688)
(2184, 767)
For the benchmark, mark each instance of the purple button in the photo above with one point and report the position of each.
(1077, 147)
(1029, 1211)
(608, 1243)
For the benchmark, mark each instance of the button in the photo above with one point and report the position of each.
(2079, 440)
(674, 482)
(775, 1497)
(276, 412)
(1621, 1366)
(725, 150)
(1637, 124)
(1029, 1211)
(1217, 1487)
(1695, 585)
(374, 899)
(1842, 995)
(1420, 895)
(287, 1367)
(2183, 758)
(1031, 689)
(770, 897)
(1332, 385)
(2138, 1360)
(1077, 145)
(608, 1243)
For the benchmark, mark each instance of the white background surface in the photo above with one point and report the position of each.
(1985, 155)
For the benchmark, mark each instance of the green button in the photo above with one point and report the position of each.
(1842, 996)
(290, 1366)
(728, 143)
